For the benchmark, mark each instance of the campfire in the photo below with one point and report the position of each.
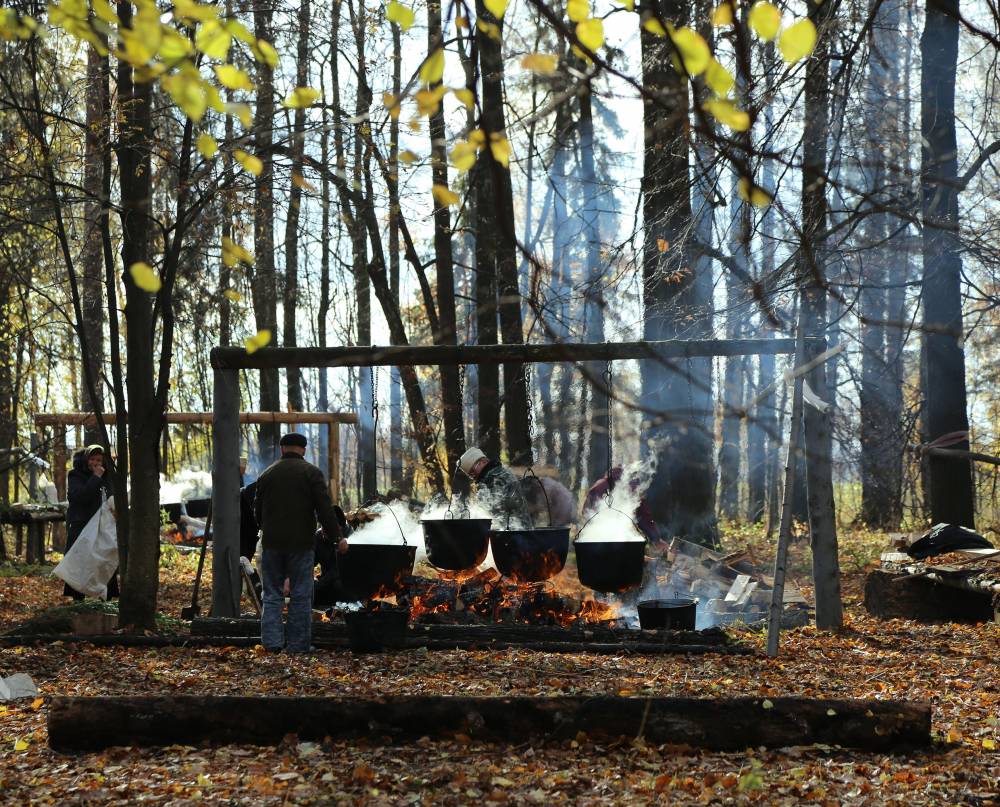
(488, 598)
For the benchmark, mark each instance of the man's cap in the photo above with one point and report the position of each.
(469, 459)
(93, 449)
(293, 439)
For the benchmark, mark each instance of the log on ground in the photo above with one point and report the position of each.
(725, 724)
(893, 595)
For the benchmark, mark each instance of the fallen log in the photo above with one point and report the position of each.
(724, 724)
(126, 640)
(897, 595)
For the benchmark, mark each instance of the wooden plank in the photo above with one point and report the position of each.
(226, 583)
(247, 418)
(418, 355)
(723, 724)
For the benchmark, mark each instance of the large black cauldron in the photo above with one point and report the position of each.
(366, 569)
(675, 614)
(456, 544)
(530, 556)
(610, 566)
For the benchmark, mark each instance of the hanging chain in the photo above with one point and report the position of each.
(374, 403)
(609, 387)
(531, 409)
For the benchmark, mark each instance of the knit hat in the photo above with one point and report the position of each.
(468, 461)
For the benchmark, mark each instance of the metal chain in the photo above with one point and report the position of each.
(609, 386)
(531, 406)
(374, 403)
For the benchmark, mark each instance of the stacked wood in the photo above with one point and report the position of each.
(899, 595)
(724, 724)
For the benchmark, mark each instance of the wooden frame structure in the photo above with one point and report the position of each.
(228, 361)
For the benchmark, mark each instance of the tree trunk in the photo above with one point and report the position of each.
(952, 497)
(812, 312)
(297, 146)
(515, 400)
(141, 576)
(451, 393)
(396, 478)
(676, 304)
(264, 282)
(92, 254)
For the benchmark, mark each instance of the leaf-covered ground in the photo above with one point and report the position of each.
(954, 667)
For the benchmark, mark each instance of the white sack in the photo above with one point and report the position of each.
(93, 558)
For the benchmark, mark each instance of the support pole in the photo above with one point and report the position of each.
(333, 459)
(226, 584)
(785, 525)
(59, 461)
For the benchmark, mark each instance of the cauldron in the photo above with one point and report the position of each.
(610, 566)
(456, 544)
(174, 511)
(372, 631)
(530, 556)
(198, 508)
(676, 614)
(365, 569)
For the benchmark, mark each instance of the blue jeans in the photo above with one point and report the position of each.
(275, 566)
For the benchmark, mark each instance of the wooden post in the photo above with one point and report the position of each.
(59, 460)
(333, 459)
(226, 582)
(785, 527)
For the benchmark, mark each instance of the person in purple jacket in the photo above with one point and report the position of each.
(643, 515)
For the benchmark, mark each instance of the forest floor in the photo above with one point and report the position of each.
(953, 667)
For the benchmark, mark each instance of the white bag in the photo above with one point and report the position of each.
(91, 561)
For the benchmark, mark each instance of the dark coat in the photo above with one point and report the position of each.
(506, 496)
(291, 496)
(248, 522)
(84, 490)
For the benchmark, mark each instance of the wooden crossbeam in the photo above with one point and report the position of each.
(252, 418)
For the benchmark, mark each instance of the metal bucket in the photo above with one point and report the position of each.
(456, 544)
(610, 566)
(530, 556)
(675, 614)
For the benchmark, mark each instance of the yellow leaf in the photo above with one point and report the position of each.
(249, 162)
(428, 101)
(195, 12)
(764, 19)
(414, 124)
(239, 30)
(662, 244)
(399, 14)
(444, 196)
(391, 103)
(954, 736)
(693, 50)
(187, 88)
(753, 194)
(465, 96)
(407, 157)
(578, 10)
(144, 276)
(797, 41)
(497, 7)
(478, 138)
(301, 98)
(591, 34)
(232, 77)
(20, 745)
(241, 111)
(261, 339)
(264, 52)
(654, 26)
(722, 14)
(629, 4)
(300, 181)
(544, 63)
(719, 79)
(490, 29)
(235, 296)
(207, 146)
(104, 12)
(500, 149)
(433, 67)
(236, 252)
(174, 47)
(36, 704)
(461, 22)
(463, 155)
(767, 704)
(989, 745)
(726, 113)
(213, 39)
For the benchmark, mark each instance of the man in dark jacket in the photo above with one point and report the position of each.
(291, 496)
(87, 486)
(507, 502)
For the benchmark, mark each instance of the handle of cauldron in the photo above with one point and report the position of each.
(635, 524)
(548, 505)
(396, 519)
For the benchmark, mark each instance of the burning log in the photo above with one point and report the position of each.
(724, 724)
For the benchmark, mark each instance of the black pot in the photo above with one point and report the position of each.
(530, 556)
(367, 568)
(456, 544)
(610, 566)
(198, 508)
(374, 631)
(676, 614)
(174, 511)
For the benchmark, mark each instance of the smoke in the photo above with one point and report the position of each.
(613, 517)
(185, 484)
